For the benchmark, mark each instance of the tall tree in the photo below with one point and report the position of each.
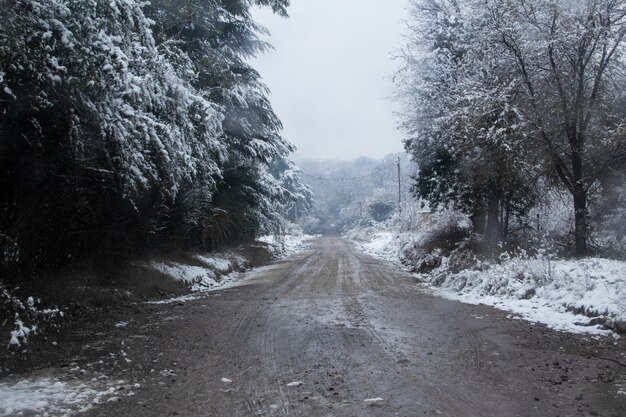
(462, 127)
(122, 123)
(91, 111)
(217, 37)
(569, 60)
(515, 82)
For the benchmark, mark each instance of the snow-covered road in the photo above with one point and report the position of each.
(334, 332)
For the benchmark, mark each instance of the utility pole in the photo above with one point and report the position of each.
(399, 189)
(360, 209)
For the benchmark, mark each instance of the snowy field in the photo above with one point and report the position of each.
(562, 294)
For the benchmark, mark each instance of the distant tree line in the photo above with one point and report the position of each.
(358, 192)
(506, 100)
(127, 125)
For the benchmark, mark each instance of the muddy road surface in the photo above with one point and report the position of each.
(334, 332)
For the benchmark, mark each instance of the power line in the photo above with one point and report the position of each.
(349, 179)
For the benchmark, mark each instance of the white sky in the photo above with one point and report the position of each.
(330, 75)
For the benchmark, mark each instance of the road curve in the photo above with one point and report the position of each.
(334, 332)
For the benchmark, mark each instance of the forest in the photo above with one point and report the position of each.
(129, 127)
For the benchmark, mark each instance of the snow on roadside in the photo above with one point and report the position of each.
(220, 273)
(287, 245)
(221, 264)
(382, 244)
(562, 294)
(28, 317)
(198, 277)
(172, 300)
(50, 397)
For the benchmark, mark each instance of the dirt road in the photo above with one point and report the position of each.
(320, 334)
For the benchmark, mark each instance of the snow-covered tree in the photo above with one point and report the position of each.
(299, 199)
(463, 128)
(217, 37)
(570, 62)
(499, 94)
(124, 108)
(125, 124)
(92, 109)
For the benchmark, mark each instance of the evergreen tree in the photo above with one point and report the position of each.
(124, 123)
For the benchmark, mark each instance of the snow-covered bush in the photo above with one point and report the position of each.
(439, 235)
(413, 216)
(23, 319)
(561, 293)
(420, 239)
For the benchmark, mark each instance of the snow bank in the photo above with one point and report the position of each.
(49, 397)
(384, 244)
(287, 245)
(172, 300)
(223, 271)
(563, 294)
(199, 278)
(190, 274)
(560, 293)
(203, 272)
(219, 264)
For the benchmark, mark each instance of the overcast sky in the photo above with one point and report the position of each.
(330, 75)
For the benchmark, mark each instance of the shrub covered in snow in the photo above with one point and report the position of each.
(441, 234)
(23, 319)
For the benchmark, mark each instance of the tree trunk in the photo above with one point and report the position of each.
(492, 231)
(478, 219)
(580, 222)
(581, 218)
(505, 222)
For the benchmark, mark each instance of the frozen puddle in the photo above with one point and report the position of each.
(48, 397)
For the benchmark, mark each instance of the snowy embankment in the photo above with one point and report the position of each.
(199, 272)
(581, 296)
(206, 274)
(287, 245)
(223, 270)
